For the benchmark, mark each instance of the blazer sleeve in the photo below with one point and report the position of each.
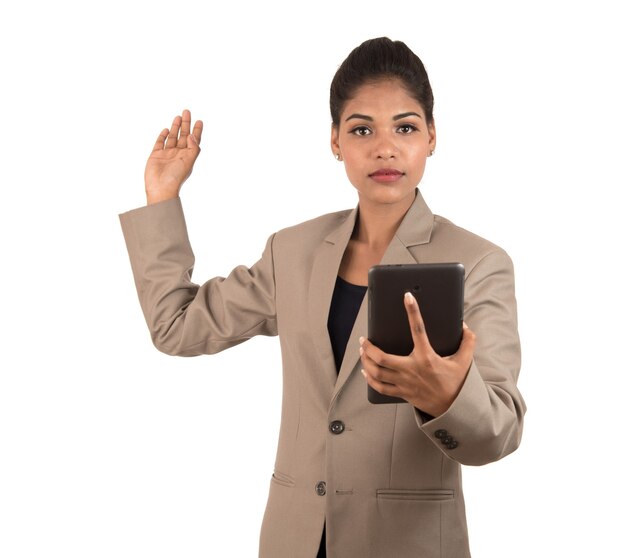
(485, 421)
(184, 318)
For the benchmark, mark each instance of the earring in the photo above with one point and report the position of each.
(338, 156)
(431, 152)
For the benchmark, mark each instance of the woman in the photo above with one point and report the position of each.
(352, 479)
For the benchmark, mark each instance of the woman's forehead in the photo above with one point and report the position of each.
(385, 96)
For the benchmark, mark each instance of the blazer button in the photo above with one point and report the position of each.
(337, 427)
(441, 434)
(453, 444)
(447, 439)
(320, 488)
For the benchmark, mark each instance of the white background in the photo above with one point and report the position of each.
(109, 448)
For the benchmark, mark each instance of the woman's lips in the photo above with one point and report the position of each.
(386, 175)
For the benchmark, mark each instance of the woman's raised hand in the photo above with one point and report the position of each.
(172, 159)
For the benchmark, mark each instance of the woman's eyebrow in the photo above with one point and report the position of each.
(370, 119)
(405, 114)
(360, 116)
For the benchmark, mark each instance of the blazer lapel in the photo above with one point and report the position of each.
(415, 229)
(324, 271)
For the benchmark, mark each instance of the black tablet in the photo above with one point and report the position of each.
(438, 288)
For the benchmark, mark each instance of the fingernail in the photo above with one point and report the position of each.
(363, 372)
(361, 339)
(409, 297)
(360, 350)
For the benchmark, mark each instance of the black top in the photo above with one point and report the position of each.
(344, 308)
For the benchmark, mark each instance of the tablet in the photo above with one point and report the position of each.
(438, 288)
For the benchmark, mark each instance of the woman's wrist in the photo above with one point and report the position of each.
(156, 198)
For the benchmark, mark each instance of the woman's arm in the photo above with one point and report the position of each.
(184, 318)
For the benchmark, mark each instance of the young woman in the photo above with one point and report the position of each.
(351, 478)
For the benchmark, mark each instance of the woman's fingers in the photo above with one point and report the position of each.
(378, 365)
(178, 134)
(160, 142)
(383, 388)
(185, 128)
(172, 138)
(416, 322)
(197, 131)
(379, 357)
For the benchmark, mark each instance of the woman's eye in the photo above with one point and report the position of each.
(361, 131)
(406, 128)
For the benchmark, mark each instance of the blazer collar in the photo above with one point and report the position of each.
(415, 229)
(416, 226)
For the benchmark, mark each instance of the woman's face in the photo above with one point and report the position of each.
(383, 140)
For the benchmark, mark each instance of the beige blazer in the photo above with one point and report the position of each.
(385, 482)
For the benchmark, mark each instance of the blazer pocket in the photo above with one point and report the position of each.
(283, 479)
(422, 495)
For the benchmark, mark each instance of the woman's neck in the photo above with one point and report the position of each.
(375, 227)
(377, 223)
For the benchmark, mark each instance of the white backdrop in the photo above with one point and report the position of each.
(109, 448)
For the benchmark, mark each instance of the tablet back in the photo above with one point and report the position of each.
(438, 288)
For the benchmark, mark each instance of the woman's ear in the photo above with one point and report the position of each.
(432, 136)
(334, 141)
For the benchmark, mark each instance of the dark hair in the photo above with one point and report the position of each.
(377, 59)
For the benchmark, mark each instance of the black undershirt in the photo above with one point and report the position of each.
(344, 308)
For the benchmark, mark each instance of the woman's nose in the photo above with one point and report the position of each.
(385, 148)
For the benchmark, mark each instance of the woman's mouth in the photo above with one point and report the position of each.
(386, 175)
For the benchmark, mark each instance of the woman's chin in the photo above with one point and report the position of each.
(386, 195)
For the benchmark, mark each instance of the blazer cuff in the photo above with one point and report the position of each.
(458, 431)
(155, 218)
